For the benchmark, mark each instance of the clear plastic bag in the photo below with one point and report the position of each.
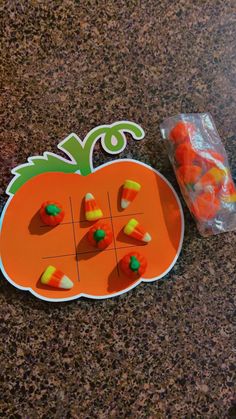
(202, 170)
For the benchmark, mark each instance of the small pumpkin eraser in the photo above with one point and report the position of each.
(55, 278)
(51, 213)
(134, 229)
(205, 206)
(133, 265)
(92, 210)
(185, 154)
(129, 192)
(182, 132)
(100, 235)
(189, 174)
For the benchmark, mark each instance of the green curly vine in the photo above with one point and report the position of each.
(80, 153)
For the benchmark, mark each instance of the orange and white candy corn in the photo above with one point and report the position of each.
(134, 229)
(55, 278)
(228, 191)
(230, 199)
(211, 179)
(129, 192)
(92, 210)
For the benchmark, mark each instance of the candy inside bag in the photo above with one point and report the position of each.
(202, 170)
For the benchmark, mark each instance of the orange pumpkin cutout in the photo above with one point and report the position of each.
(95, 273)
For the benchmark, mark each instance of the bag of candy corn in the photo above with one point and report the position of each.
(202, 170)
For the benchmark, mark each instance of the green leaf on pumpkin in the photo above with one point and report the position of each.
(49, 162)
(113, 140)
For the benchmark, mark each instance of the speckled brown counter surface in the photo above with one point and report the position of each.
(164, 350)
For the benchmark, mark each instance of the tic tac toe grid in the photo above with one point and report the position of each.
(77, 253)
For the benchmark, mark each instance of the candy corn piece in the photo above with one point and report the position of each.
(228, 191)
(56, 279)
(211, 179)
(129, 192)
(92, 211)
(230, 199)
(135, 230)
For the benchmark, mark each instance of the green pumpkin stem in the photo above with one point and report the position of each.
(52, 209)
(134, 264)
(99, 235)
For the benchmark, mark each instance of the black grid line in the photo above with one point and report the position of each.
(115, 248)
(112, 225)
(89, 251)
(73, 227)
(59, 256)
(104, 218)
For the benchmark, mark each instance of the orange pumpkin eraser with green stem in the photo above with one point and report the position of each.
(205, 206)
(189, 174)
(51, 213)
(185, 154)
(100, 235)
(182, 132)
(133, 265)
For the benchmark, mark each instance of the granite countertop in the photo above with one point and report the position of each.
(163, 350)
